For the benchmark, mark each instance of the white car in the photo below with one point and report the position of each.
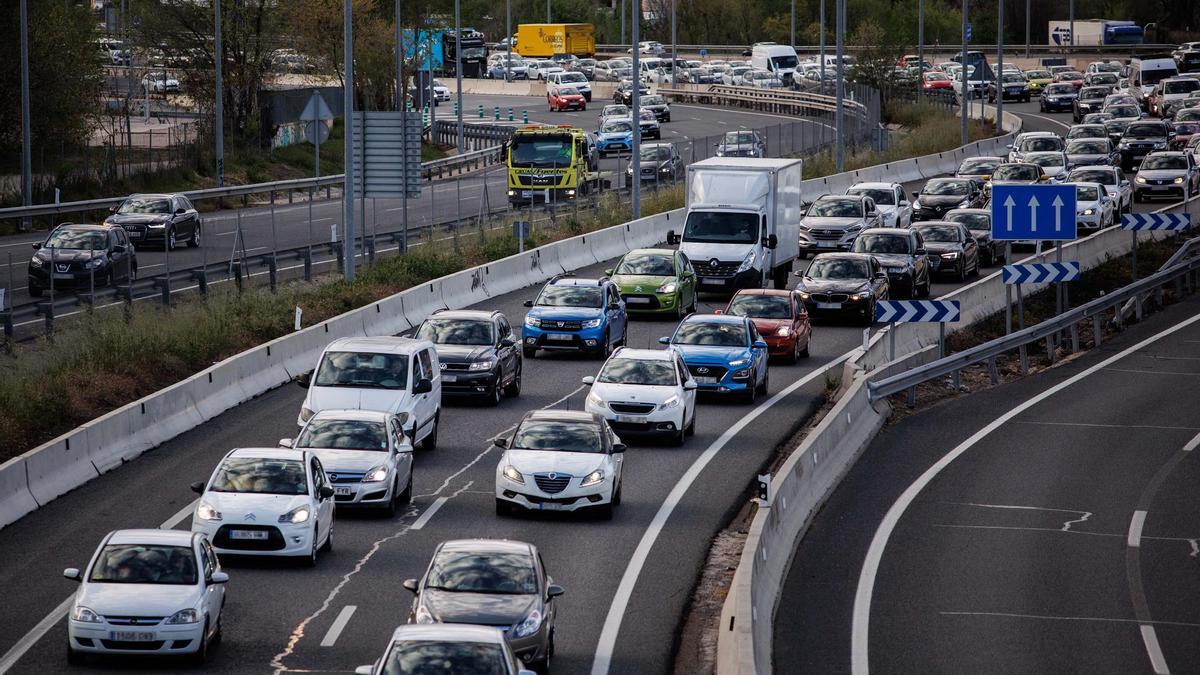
(1112, 178)
(366, 454)
(541, 69)
(449, 648)
(560, 461)
(1093, 207)
(1054, 164)
(395, 375)
(154, 592)
(267, 502)
(894, 208)
(1034, 141)
(440, 92)
(646, 392)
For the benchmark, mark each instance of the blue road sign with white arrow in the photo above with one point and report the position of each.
(1038, 273)
(929, 311)
(1156, 221)
(1037, 212)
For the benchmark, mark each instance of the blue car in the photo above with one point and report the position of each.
(724, 353)
(583, 315)
(615, 135)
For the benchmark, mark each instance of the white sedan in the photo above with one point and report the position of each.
(645, 391)
(155, 592)
(267, 502)
(1093, 207)
(366, 454)
(894, 208)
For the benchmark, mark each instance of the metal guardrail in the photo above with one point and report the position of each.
(739, 50)
(1181, 273)
(795, 102)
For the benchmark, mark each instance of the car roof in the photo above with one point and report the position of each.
(1092, 167)
(573, 281)
(643, 354)
(980, 212)
(382, 344)
(938, 223)
(715, 318)
(561, 416)
(987, 157)
(478, 314)
(1168, 153)
(268, 453)
(448, 632)
(652, 251)
(764, 291)
(148, 536)
(153, 195)
(352, 414)
(874, 186)
(486, 546)
(86, 226)
(845, 256)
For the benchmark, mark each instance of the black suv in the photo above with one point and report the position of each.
(478, 352)
(1090, 100)
(1141, 139)
(623, 93)
(658, 105)
(170, 218)
(74, 257)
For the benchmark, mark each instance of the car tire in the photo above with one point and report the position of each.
(961, 275)
(503, 508)
(779, 278)
(194, 242)
(679, 438)
(606, 349)
(171, 243)
(36, 292)
(75, 658)
(328, 545)
(605, 511)
(529, 352)
(690, 429)
(514, 388)
(792, 358)
(200, 656)
(430, 441)
(407, 494)
(389, 510)
(310, 560)
(766, 383)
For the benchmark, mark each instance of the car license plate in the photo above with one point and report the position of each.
(130, 636)
(829, 305)
(549, 506)
(558, 337)
(449, 378)
(895, 270)
(826, 244)
(637, 301)
(712, 281)
(700, 379)
(247, 534)
(65, 277)
(133, 234)
(527, 193)
(340, 491)
(631, 419)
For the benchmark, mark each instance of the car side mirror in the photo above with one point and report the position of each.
(672, 238)
(554, 591)
(73, 574)
(423, 386)
(198, 487)
(618, 448)
(916, 194)
(500, 442)
(326, 491)
(508, 341)
(759, 344)
(410, 585)
(303, 380)
(880, 275)
(718, 311)
(112, 209)
(608, 272)
(364, 670)
(614, 305)
(528, 303)
(921, 251)
(36, 245)
(180, 212)
(589, 380)
(286, 443)
(219, 578)
(872, 214)
(772, 241)
(904, 202)
(118, 249)
(665, 340)
(690, 385)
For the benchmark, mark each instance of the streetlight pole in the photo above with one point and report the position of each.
(348, 112)
(674, 50)
(920, 46)
(634, 100)
(999, 66)
(507, 40)
(623, 3)
(964, 106)
(839, 114)
(458, 69)
(1072, 22)
(1027, 10)
(219, 95)
(792, 34)
(26, 120)
(547, 11)
(821, 49)
(399, 61)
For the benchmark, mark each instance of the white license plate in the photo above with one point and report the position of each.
(637, 301)
(342, 491)
(65, 277)
(711, 281)
(449, 378)
(559, 337)
(549, 506)
(631, 419)
(705, 380)
(829, 305)
(827, 244)
(130, 636)
(247, 534)
(136, 235)
(526, 194)
(895, 270)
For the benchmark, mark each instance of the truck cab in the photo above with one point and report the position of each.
(548, 164)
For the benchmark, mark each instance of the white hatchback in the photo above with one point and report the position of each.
(155, 592)
(645, 391)
(267, 502)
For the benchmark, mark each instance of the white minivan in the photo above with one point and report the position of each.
(570, 79)
(1143, 74)
(781, 60)
(394, 375)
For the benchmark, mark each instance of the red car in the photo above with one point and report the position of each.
(780, 318)
(1070, 77)
(566, 98)
(935, 80)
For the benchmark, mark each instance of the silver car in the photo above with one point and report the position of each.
(833, 222)
(491, 582)
(1170, 175)
(448, 649)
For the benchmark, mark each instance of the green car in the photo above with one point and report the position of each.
(656, 280)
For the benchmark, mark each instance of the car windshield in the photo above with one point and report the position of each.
(838, 268)
(344, 435)
(365, 370)
(1093, 92)
(978, 167)
(615, 110)
(1145, 130)
(1037, 75)
(618, 127)
(653, 100)
(1115, 127)
(786, 61)
(1060, 89)
(571, 296)
(1012, 78)
(1048, 159)
(656, 373)
(1017, 172)
(739, 137)
(648, 264)
(547, 151)
(878, 195)
(1107, 67)
(1158, 75)
(559, 435)
(155, 205)
(1041, 144)
(145, 564)
(712, 334)
(1097, 118)
(1186, 128)
(973, 221)
(936, 233)
(1104, 78)
(434, 657)
(936, 77)
(568, 91)
(457, 332)
(1070, 75)
(1100, 176)
(483, 572)
(1181, 86)
(1188, 115)
(1087, 147)
(1089, 131)
(837, 208)
(721, 227)
(654, 153)
(1163, 163)
(572, 77)
(1123, 111)
(947, 187)
(882, 243)
(78, 240)
(761, 306)
(1087, 193)
(260, 475)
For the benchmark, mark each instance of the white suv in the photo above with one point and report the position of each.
(645, 391)
(894, 208)
(570, 79)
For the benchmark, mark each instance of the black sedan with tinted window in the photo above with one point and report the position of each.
(844, 285)
(478, 353)
(979, 222)
(159, 218)
(942, 194)
(78, 257)
(902, 254)
(952, 248)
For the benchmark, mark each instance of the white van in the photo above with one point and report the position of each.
(395, 375)
(571, 79)
(1145, 73)
(781, 60)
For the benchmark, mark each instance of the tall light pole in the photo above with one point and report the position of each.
(839, 21)
(507, 39)
(1027, 10)
(920, 45)
(458, 69)
(999, 66)
(399, 61)
(674, 50)
(1072, 21)
(965, 106)
(547, 11)
(821, 49)
(792, 34)
(26, 150)
(348, 112)
(219, 94)
(634, 102)
(623, 3)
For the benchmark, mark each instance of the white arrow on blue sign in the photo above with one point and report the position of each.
(1037, 273)
(1037, 212)
(1156, 221)
(929, 311)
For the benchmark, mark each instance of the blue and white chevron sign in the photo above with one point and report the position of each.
(1038, 273)
(934, 311)
(1156, 221)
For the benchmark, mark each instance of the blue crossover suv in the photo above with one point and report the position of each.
(586, 315)
(725, 354)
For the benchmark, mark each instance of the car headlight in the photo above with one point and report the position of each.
(1139, 179)
(747, 262)
(592, 478)
(951, 255)
(376, 474)
(1178, 180)
(513, 475)
(668, 287)
(423, 616)
(207, 512)
(184, 616)
(593, 323)
(35, 261)
(964, 203)
(784, 331)
(672, 402)
(486, 364)
(1089, 212)
(86, 615)
(738, 362)
(594, 399)
(1160, 145)
(95, 263)
(529, 625)
(917, 204)
(157, 226)
(300, 514)
(741, 374)
(860, 296)
(532, 321)
(305, 414)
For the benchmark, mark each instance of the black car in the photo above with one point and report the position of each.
(979, 222)
(952, 248)
(1141, 139)
(585, 66)
(942, 194)
(623, 93)
(79, 256)
(1090, 100)
(658, 105)
(158, 218)
(901, 252)
(844, 285)
(1091, 152)
(478, 353)
(744, 143)
(1013, 87)
(1058, 96)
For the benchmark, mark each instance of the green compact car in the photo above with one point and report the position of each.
(656, 280)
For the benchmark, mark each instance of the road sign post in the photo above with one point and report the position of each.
(1136, 222)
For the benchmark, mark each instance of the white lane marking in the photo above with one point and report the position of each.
(1154, 650)
(425, 517)
(1192, 444)
(1048, 119)
(1066, 525)
(1134, 540)
(339, 624)
(1138, 371)
(1111, 426)
(39, 631)
(616, 611)
(860, 622)
(1047, 617)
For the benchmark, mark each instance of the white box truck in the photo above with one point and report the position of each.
(742, 227)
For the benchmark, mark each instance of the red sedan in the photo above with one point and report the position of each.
(780, 318)
(934, 80)
(1070, 77)
(566, 98)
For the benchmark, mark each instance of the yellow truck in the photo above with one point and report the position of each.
(545, 40)
(548, 163)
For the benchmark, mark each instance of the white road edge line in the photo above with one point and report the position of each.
(39, 631)
(1192, 444)
(616, 611)
(859, 637)
(1134, 539)
(1154, 650)
(433, 508)
(339, 624)
(1048, 119)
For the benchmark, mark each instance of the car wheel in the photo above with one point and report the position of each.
(310, 560)
(529, 352)
(679, 437)
(328, 545)
(795, 355)
(962, 271)
(389, 509)
(497, 393)
(690, 429)
(171, 239)
(503, 508)
(430, 441)
(200, 657)
(36, 291)
(680, 310)
(605, 512)
(514, 388)
(606, 349)
(766, 383)
(194, 242)
(74, 658)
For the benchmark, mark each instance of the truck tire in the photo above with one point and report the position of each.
(780, 276)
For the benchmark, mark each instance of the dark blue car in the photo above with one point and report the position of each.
(583, 315)
(724, 353)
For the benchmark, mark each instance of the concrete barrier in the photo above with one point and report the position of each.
(15, 498)
(576, 252)
(421, 301)
(127, 432)
(465, 288)
(389, 317)
(59, 466)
